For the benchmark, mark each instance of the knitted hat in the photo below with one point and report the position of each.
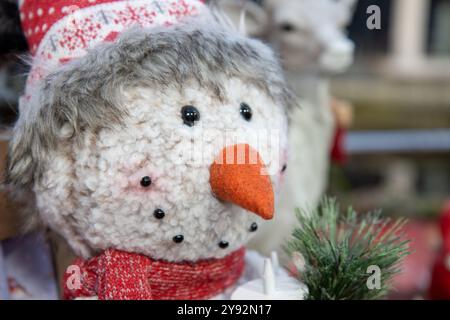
(59, 31)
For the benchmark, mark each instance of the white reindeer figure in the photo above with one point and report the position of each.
(310, 36)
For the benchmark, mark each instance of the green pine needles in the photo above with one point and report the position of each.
(346, 256)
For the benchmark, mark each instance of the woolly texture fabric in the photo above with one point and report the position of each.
(61, 30)
(91, 192)
(116, 275)
(86, 94)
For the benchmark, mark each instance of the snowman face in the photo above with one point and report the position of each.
(145, 187)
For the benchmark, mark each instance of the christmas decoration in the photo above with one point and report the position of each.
(343, 113)
(440, 281)
(273, 285)
(123, 139)
(335, 253)
(149, 279)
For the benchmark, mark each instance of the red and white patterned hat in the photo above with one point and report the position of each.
(61, 30)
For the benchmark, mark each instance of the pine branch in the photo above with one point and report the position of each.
(337, 249)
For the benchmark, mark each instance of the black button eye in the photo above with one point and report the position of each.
(146, 181)
(287, 27)
(246, 111)
(159, 214)
(253, 227)
(178, 239)
(190, 114)
(223, 244)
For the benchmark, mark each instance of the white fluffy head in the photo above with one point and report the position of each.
(92, 194)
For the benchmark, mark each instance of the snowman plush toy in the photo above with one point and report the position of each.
(141, 135)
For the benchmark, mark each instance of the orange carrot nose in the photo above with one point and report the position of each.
(237, 176)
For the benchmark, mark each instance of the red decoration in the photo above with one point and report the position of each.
(59, 31)
(338, 152)
(118, 275)
(440, 282)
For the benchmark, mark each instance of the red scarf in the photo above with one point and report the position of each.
(118, 275)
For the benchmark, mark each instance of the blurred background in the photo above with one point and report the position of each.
(394, 149)
(399, 142)
(399, 85)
